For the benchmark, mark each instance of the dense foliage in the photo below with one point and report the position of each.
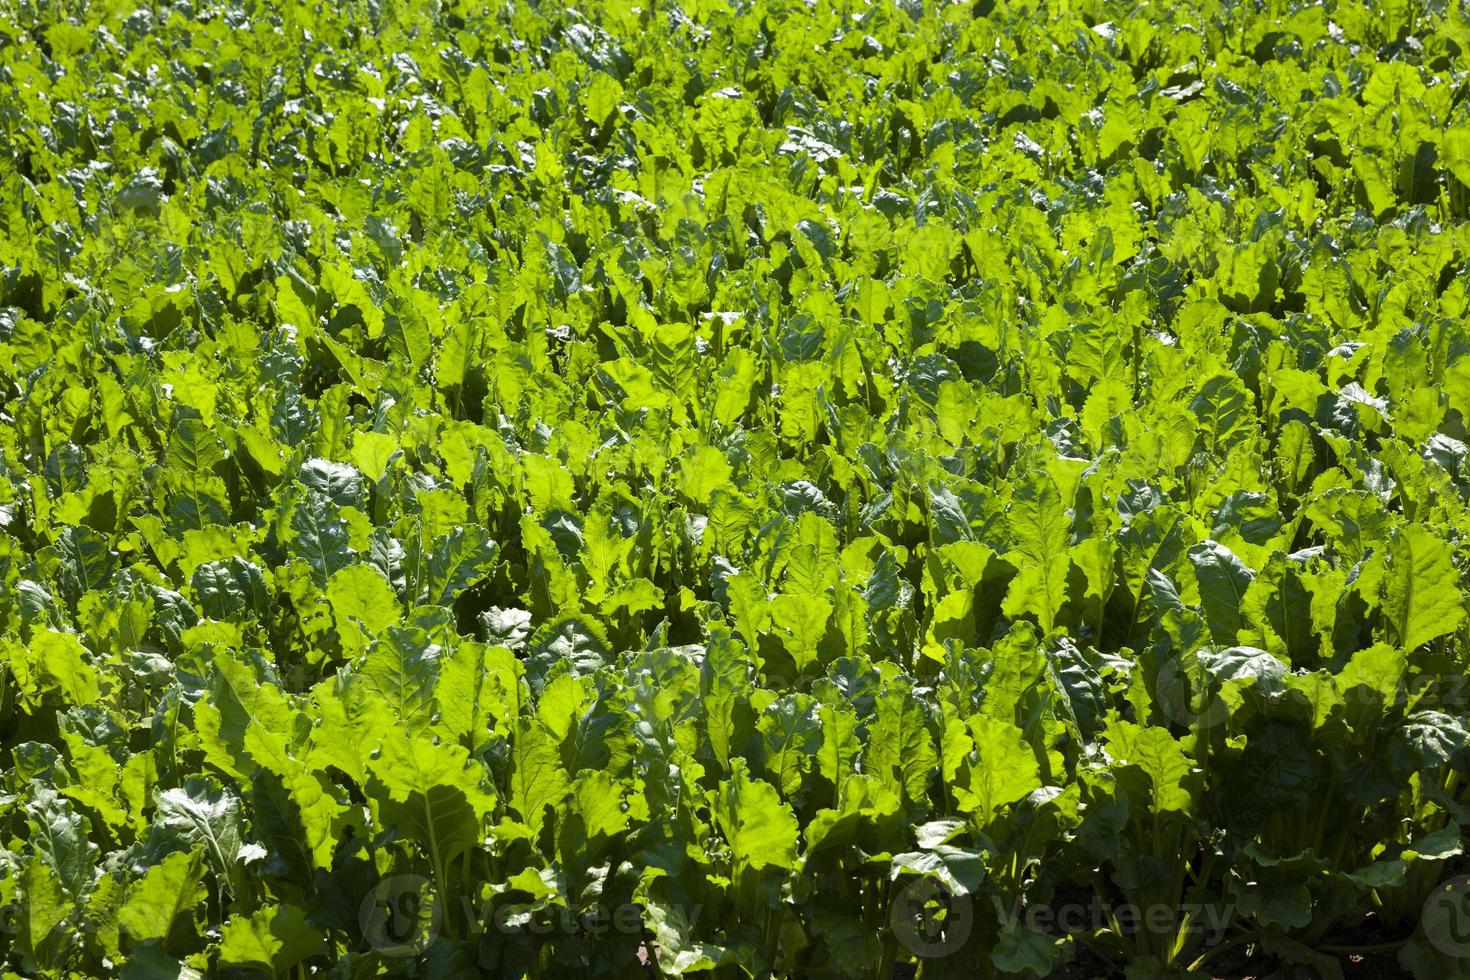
(732, 487)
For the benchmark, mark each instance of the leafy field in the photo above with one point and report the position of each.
(733, 488)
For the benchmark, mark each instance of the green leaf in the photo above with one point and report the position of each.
(1159, 756)
(1027, 952)
(1224, 410)
(600, 97)
(674, 923)
(703, 472)
(274, 938)
(538, 779)
(203, 814)
(338, 482)
(458, 562)
(1421, 591)
(802, 622)
(193, 453)
(231, 589)
(245, 723)
(59, 840)
(363, 604)
(44, 909)
(319, 536)
(431, 793)
(87, 562)
(478, 692)
(1223, 582)
(61, 662)
(840, 747)
(1039, 528)
(1005, 772)
(900, 749)
(400, 670)
(151, 963)
(574, 640)
(790, 735)
(374, 452)
(165, 899)
(725, 690)
(595, 813)
(762, 831)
